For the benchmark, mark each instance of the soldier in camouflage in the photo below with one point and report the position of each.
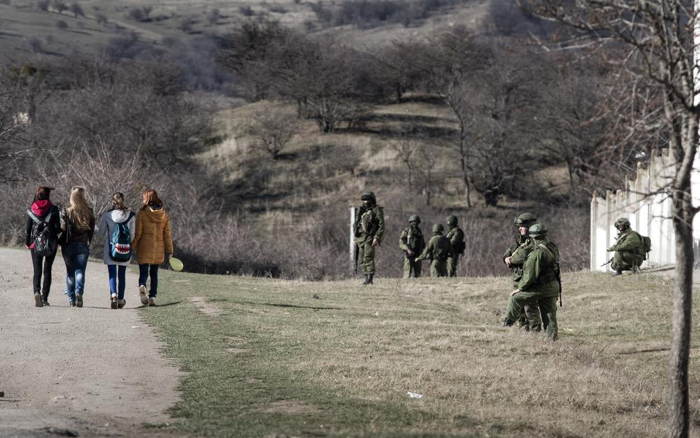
(456, 237)
(629, 248)
(369, 229)
(412, 244)
(438, 251)
(514, 258)
(539, 283)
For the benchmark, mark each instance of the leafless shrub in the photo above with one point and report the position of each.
(101, 18)
(60, 24)
(43, 5)
(272, 129)
(246, 11)
(213, 16)
(35, 45)
(59, 6)
(76, 10)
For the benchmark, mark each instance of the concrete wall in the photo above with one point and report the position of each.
(645, 202)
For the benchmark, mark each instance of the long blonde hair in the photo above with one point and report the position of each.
(79, 211)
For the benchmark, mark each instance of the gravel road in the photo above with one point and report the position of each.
(83, 372)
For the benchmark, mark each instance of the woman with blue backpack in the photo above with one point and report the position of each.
(43, 228)
(117, 226)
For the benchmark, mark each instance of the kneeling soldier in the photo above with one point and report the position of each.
(629, 248)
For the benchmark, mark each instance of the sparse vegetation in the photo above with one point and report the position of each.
(60, 24)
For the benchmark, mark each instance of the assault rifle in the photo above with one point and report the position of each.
(607, 263)
(561, 303)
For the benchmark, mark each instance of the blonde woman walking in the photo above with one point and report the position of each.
(117, 226)
(77, 227)
(153, 242)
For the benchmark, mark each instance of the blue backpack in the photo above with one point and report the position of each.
(120, 241)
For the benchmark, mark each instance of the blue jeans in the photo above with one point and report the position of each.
(117, 272)
(76, 256)
(144, 271)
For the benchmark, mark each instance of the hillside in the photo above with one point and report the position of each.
(27, 27)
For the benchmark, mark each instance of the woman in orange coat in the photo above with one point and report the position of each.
(153, 243)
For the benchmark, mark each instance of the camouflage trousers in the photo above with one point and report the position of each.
(411, 268)
(366, 256)
(625, 261)
(452, 264)
(535, 303)
(438, 268)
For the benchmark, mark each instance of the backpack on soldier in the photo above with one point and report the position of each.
(459, 247)
(120, 241)
(646, 246)
(45, 243)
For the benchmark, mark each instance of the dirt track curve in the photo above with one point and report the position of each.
(65, 371)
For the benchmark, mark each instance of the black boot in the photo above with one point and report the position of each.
(370, 277)
(366, 280)
(45, 298)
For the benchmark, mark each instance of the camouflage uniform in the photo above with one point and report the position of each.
(629, 248)
(539, 285)
(412, 244)
(456, 237)
(369, 229)
(438, 251)
(518, 252)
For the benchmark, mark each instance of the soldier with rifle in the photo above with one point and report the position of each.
(540, 283)
(412, 244)
(369, 229)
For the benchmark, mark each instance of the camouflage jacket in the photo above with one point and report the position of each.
(629, 241)
(412, 239)
(370, 224)
(518, 253)
(456, 236)
(439, 248)
(541, 269)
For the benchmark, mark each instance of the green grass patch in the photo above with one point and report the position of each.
(271, 358)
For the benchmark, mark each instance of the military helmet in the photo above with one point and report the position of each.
(622, 223)
(525, 219)
(536, 230)
(451, 220)
(368, 196)
(438, 228)
(414, 218)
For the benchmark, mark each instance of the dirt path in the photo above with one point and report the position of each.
(92, 371)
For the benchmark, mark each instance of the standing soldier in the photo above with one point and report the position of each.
(514, 258)
(438, 251)
(456, 237)
(539, 285)
(369, 229)
(412, 244)
(629, 248)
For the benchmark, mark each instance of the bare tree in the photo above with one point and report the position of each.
(272, 129)
(659, 35)
(407, 153)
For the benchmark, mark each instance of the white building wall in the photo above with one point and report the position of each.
(648, 207)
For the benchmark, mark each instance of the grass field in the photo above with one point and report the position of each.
(271, 358)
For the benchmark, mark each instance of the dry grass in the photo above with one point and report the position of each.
(342, 358)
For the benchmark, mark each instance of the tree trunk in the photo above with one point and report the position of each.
(680, 343)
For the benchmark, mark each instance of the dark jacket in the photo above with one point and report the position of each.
(74, 234)
(41, 209)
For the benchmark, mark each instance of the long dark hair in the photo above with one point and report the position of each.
(43, 193)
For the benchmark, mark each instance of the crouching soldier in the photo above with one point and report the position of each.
(438, 251)
(412, 244)
(629, 248)
(539, 285)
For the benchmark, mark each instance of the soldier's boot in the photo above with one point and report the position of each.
(616, 273)
(370, 277)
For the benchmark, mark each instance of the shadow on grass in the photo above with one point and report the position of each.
(294, 306)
